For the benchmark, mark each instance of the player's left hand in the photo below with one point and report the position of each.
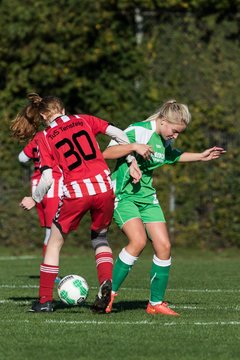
(212, 153)
(27, 203)
(135, 172)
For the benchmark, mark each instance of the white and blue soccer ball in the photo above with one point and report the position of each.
(73, 289)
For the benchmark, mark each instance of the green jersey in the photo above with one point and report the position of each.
(144, 192)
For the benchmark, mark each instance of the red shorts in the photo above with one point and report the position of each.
(71, 211)
(47, 209)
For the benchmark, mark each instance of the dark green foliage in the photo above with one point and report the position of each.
(120, 60)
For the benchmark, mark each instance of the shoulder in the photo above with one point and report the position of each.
(142, 131)
(39, 135)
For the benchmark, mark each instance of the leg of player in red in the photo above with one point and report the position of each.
(50, 207)
(104, 266)
(101, 213)
(67, 218)
(48, 272)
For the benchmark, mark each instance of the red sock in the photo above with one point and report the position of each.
(48, 274)
(104, 263)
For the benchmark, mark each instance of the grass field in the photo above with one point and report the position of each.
(204, 288)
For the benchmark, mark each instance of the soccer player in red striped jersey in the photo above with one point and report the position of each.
(70, 141)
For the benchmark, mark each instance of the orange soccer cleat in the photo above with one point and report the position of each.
(160, 309)
(109, 307)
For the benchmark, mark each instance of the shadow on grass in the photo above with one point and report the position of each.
(129, 305)
(22, 298)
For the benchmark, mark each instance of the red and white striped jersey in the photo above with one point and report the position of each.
(70, 141)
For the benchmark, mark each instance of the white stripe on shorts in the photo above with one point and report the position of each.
(101, 183)
(76, 189)
(89, 186)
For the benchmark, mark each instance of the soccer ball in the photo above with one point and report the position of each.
(73, 289)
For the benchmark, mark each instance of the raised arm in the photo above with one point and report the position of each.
(207, 155)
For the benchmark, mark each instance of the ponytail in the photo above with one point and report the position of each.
(173, 112)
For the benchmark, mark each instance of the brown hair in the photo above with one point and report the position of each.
(28, 120)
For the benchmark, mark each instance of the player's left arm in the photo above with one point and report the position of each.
(207, 155)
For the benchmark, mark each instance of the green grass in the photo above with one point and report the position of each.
(204, 288)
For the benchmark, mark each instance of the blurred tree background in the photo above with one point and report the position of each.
(120, 60)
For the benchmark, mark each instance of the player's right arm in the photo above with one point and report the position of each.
(28, 152)
(46, 180)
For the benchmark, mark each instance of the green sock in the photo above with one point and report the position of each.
(159, 279)
(120, 272)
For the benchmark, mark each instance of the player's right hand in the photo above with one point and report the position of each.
(144, 150)
(27, 203)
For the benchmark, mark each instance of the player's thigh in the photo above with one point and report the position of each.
(50, 209)
(102, 210)
(125, 210)
(135, 231)
(151, 213)
(41, 214)
(70, 212)
(128, 217)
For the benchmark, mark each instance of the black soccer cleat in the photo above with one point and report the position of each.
(103, 297)
(38, 307)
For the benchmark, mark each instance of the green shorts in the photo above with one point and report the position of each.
(126, 210)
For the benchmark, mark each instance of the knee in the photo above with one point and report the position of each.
(167, 247)
(135, 248)
(163, 251)
(99, 239)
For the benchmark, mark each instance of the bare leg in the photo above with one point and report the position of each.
(54, 246)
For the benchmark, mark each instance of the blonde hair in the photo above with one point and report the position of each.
(173, 112)
(28, 120)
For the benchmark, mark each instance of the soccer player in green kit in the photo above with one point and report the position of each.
(137, 210)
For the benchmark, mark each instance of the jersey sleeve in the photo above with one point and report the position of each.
(172, 155)
(46, 157)
(29, 149)
(130, 134)
(97, 125)
(22, 157)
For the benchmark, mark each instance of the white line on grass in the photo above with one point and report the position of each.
(19, 286)
(14, 302)
(23, 257)
(143, 322)
(190, 290)
(133, 289)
